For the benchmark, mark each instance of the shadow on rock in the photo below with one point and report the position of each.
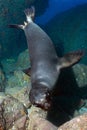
(67, 97)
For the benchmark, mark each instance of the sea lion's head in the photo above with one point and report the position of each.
(41, 97)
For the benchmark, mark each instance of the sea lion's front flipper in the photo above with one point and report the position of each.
(27, 71)
(70, 59)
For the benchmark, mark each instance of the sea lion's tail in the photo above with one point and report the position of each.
(70, 59)
(30, 13)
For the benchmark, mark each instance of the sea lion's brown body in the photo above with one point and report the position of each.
(45, 64)
(43, 56)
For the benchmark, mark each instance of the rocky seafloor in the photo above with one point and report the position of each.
(15, 107)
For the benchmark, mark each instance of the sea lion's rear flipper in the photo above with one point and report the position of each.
(70, 59)
(16, 26)
(30, 13)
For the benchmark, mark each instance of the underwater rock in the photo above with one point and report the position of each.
(78, 123)
(9, 65)
(13, 111)
(18, 79)
(2, 120)
(2, 79)
(71, 27)
(12, 42)
(23, 60)
(80, 72)
(23, 96)
(18, 85)
(38, 120)
(17, 82)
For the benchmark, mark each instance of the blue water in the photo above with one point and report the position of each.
(57, 6)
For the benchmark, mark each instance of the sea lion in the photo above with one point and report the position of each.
(45, 64)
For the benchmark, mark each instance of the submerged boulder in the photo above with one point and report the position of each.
(2, 79)
(12, 113)
(71, 27)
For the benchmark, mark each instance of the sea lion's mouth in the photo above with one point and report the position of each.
(44, 103)
(41, 97)
(46, 106)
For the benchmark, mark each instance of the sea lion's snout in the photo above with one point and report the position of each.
(41, 97)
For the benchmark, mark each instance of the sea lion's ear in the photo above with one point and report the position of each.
(70, 59)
